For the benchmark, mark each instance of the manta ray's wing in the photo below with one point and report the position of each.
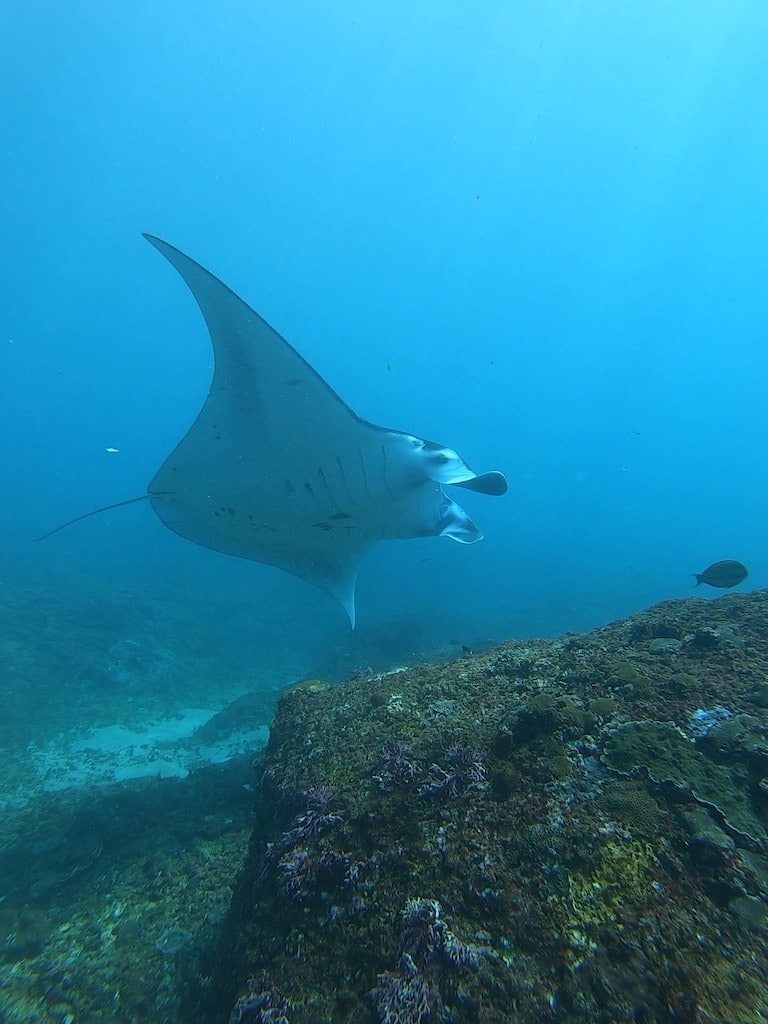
(278, 469)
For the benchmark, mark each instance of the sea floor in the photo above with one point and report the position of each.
(126, 793)
(566, 830)
(130, 722)
(114, 896)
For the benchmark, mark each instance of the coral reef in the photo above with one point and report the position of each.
(588, 817)
(571, 830)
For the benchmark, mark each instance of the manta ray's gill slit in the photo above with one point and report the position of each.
(364, 472)
(321, 474)
(340, 464)
(310, 490)
(384, 471)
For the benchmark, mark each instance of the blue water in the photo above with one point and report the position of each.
(535, 232)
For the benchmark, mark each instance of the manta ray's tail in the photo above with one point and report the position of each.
(94, 512)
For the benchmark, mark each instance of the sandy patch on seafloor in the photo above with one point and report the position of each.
(164, 748)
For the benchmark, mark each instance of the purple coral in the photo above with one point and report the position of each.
(403, 996)
(398, 766)
(466, 768)
(422, 939)
(263, 1007)
(406, 995)
(316, 819)
(298, 873)
(459, 953)
(302, 875)
(427, 936)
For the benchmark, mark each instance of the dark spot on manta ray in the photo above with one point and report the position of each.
(272, 414)
(341, 515)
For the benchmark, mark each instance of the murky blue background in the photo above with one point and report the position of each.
(535, 232)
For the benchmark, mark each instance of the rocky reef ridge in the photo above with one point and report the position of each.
(567, 830)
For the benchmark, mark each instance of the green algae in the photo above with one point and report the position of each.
(625, 875)
(544, 715)
(664, 645)
(602, 707)
(684, 684)
(627, 676)
(629, 803)
(741, 737)
(666, 754)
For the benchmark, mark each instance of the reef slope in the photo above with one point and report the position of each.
(568, 830)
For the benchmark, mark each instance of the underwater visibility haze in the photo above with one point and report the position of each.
(533, 232)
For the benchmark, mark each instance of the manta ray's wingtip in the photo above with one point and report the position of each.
(157, 242)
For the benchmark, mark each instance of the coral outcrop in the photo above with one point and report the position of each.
(567, 830)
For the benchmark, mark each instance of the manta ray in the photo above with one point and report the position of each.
(277, 468)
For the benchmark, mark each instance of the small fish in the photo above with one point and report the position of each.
(722, 574)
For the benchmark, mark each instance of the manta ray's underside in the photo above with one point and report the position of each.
(278, 469)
